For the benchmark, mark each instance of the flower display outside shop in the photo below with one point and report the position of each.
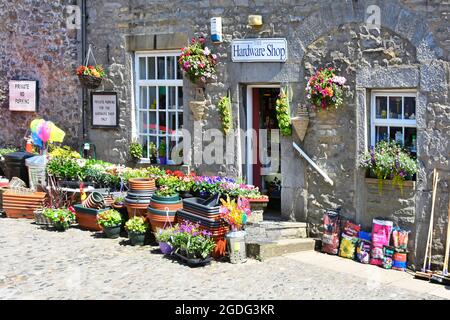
(283, 114)
(95, 71)
(324, 89)
(235, 212)
(224, 106)
(197, 61)
(61, 218)
(387, 160)
(109, 218)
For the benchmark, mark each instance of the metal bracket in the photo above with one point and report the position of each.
(315, 166)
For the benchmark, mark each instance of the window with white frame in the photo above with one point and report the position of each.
(159, 102)
(393, 117)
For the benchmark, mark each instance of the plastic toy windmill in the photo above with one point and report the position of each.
(43, 132)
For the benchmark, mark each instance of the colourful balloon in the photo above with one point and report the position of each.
(43, 132)
(56, 134)
(36, 139)
(35, 123)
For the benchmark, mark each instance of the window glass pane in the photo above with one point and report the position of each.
(180, 98)
(151, 67)
(381, 107)
(152, 98)
(410, 108)
(179, 74)
(170, 67)
(143, 124)
(176, 149)
(144, 143)
(396, 134)
(162, 122)
(172, 96)
(161, 69)
(152, 146)
(142, 68)
(395, 107)
(381, 133)
(143, 97)
(162, 147)
(411, 139)
(152, 122)
(172, 122)
(162, 98)
(180, 123)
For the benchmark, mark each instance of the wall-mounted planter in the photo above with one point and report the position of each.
(198, 109)
(301, 122)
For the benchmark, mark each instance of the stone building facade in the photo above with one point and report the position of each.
(409, 50)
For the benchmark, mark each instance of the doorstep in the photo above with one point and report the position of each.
(262, 250)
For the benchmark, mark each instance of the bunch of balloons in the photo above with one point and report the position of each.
(45, 131)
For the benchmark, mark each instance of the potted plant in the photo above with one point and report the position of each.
(191, 244)
(325, 89)
(60, 218)
(136, 151)
(235, 213)
(162, 152)
(110, 220)
(283, 114)
(163, 238)
(90, 76)
(153, 153)
(225, 111)
(136, 228)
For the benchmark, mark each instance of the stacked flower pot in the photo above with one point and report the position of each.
(139, 195)
(22, 205)
(161, 211)
(87, 211)
(197, 210)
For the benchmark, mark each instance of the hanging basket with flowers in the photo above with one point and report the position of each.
(325, 89)
(198, 62)
(90, 76)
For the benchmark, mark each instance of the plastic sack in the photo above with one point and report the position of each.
(365, 236)
(400, 238)
(363, 251)
(381, 235)
(388, 253)
(347, 247)
(399, 261)
(330, 236)
(351, 229)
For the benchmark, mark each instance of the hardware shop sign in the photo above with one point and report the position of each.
(22, 95)
(259, 50)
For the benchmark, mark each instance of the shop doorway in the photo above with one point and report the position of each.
(264, 163)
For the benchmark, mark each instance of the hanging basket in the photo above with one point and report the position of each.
(198, 109)
(300, 122)
(90, 82)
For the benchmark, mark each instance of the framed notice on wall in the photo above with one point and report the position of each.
(22, 95)
(104, 110)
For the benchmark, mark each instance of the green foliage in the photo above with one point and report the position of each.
(60, 218)
(64, 152)
(109, 218)
(136, 150)
(163, 235)
(136, 225)
(65, 168)
(162, 148)
(4, 151)
(283, 114)
(166, 191)
(224, 106)
(188, 240)
(152, 147)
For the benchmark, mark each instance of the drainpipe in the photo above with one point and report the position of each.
(83, 58)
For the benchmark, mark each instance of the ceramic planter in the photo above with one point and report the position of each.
(165, 248)
(87, 217)
(112, 232)
(136, 239)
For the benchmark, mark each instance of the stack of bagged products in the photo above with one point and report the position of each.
(365, 247)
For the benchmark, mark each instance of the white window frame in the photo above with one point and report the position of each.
(158, 83)
(403, 123)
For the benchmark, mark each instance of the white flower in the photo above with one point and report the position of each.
(206, 51)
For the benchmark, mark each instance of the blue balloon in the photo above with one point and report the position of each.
(36, 140)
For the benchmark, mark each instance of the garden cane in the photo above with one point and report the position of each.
(425, 275)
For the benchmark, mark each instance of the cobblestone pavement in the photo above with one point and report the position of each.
(42, 264)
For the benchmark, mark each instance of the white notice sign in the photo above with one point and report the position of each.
(104, 109)
(22, 95)
(259, 50)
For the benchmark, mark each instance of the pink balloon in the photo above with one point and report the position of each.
(43, 131)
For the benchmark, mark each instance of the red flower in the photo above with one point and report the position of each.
(193, 40)
(168, 171)
(71, 209)
(202, 40)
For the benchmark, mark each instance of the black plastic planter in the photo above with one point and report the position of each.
(193, 262)
(136, 239)
(112, 232)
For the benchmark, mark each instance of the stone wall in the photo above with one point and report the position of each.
(35, 44)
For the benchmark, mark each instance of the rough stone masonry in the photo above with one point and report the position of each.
(409, 50)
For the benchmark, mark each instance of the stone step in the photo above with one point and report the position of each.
(262, 250)
(276, 230)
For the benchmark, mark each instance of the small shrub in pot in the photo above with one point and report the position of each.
(110, 220)
(136, 228)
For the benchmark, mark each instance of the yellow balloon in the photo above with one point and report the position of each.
(56, 134)
(35, 123)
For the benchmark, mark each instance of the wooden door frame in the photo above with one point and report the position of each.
(249, 137)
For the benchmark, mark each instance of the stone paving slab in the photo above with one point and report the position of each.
(41, 264)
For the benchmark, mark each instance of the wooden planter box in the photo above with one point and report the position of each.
(22, 205)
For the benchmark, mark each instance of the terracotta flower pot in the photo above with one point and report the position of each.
(22, 205)
(87, 217)
(142, 184)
